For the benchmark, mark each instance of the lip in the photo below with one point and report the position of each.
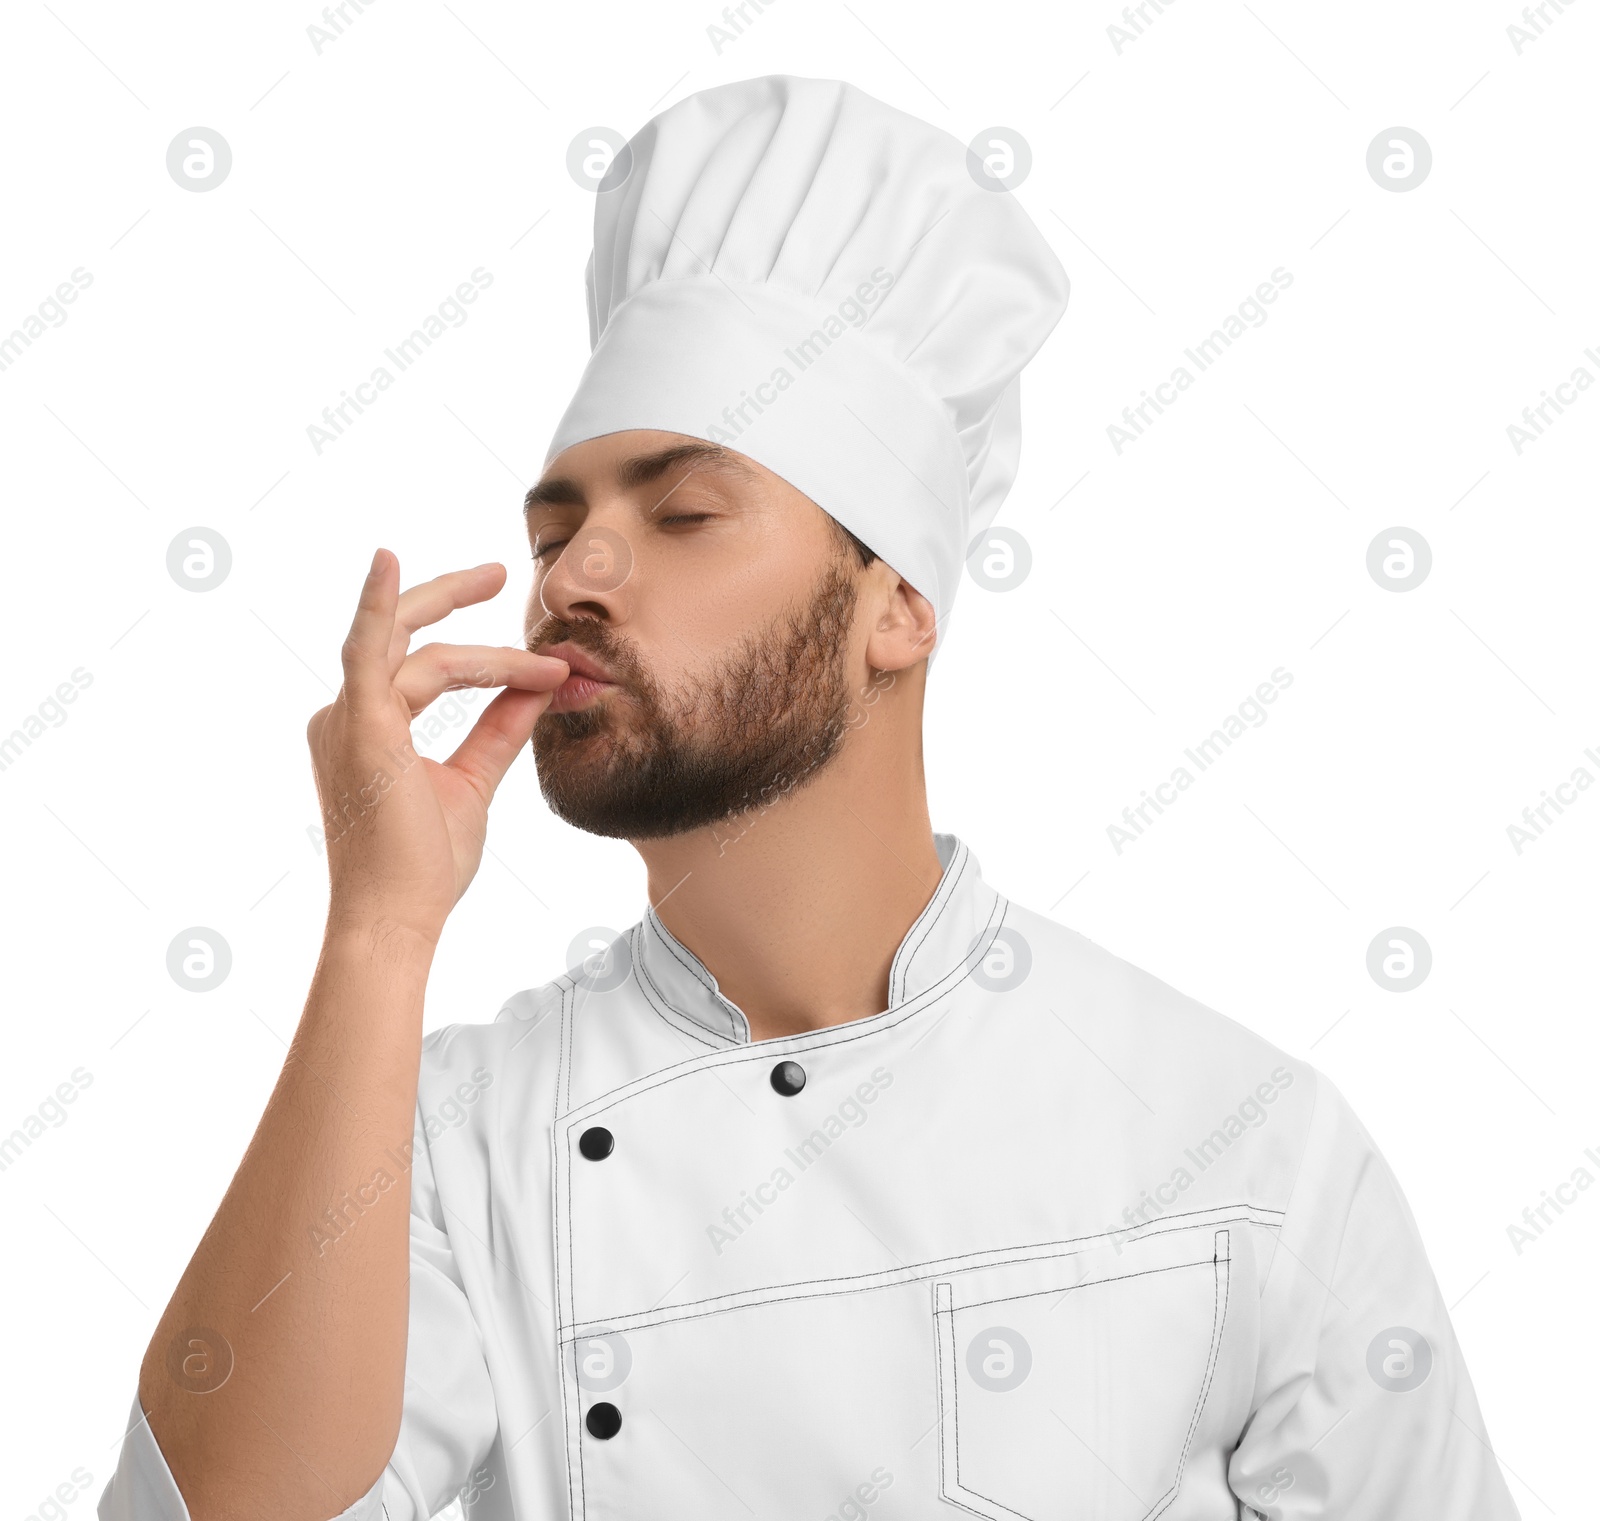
(579, 662)
(587, 678)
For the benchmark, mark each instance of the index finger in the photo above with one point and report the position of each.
(366, 647)
(429, 601)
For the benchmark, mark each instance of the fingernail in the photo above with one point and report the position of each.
(376, 555)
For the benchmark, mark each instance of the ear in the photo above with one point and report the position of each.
(903, 633)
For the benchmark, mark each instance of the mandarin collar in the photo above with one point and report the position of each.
(945, 934)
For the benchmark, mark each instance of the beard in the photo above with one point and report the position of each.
(643, 764)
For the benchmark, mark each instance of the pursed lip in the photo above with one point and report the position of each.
(579, 662)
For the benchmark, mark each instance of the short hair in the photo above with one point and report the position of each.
(848, 540)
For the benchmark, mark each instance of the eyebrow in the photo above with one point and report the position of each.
(641, 470)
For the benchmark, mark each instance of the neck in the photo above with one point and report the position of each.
(798, 909)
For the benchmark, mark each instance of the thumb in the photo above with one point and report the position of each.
(498, 737)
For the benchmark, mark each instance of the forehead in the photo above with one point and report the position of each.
(640, 457)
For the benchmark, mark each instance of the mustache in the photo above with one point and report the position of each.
(592, 635)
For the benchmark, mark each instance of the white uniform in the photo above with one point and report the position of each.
(1045, 1239)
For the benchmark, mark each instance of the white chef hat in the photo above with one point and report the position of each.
(796, 270)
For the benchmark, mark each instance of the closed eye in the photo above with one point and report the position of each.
(549, 546)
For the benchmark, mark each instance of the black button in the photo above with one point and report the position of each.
(788, 1078)
(604, 1420)
(596, 1143)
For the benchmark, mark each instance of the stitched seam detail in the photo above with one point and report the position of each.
(1090, 1283)
(950, 898)
(694, 968)
(583, 1482)
(654, 996)
(669, 943)
(1221, 1267)
(957, 1491)
(561, 1168)
(901, 970)
(1220, 1280)
(663, 1006)
(659, 1004)
(888, 1278)
(811, 1040)
(950, 1487)
(885, 1279)
(941, 1293)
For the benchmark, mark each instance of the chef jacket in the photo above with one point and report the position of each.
(1044, 1239)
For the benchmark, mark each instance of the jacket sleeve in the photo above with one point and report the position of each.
(1363, 1409)
(448, 1423)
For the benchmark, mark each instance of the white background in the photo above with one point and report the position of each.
(1172, 177)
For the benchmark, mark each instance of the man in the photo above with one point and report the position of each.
(839, 1185)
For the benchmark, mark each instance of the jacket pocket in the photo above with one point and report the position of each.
(1070, 1387)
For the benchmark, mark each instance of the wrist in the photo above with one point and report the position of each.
(383, 936)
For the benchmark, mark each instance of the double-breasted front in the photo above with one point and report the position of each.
(1044, 1239)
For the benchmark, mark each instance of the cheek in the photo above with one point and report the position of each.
(688, 628)
(721, 593)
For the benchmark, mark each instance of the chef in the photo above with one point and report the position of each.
(839, 1186)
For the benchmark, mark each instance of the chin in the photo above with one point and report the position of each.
(613, 815)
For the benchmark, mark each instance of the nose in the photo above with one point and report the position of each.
(588, 577)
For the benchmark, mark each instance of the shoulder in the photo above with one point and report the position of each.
(460, 1061)
(1209, 1085)
(1169, 1029)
